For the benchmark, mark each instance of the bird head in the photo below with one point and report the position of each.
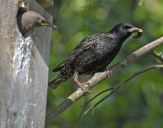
(22, 6)
(125, 30)
(31, 19)
(22, 3)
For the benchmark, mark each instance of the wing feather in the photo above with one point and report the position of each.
(84, 45)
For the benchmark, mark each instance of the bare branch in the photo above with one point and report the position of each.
(98, 77)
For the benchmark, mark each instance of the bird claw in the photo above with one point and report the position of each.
(84, 87)
(109, 73)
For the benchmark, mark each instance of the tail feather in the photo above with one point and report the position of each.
(54, 83)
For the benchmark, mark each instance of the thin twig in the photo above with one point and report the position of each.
(100, 93)
(90, 100)
(159, 56)
(116, 88)
(98, 77)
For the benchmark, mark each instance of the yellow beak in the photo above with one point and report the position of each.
(135, 29)
(48, 24)
(138, 30)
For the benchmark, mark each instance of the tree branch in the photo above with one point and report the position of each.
(98, 77)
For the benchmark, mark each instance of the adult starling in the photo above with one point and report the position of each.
(94, 53)
(31, 19)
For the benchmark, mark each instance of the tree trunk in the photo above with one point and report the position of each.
(23, 70)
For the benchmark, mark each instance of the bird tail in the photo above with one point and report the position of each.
(54, 83)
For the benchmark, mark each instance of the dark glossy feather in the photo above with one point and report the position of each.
(93, 53)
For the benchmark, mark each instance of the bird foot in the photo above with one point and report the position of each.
(84, 87)
(109, 73)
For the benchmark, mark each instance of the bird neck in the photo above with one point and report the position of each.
(123, 37)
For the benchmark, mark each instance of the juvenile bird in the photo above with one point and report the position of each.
(94, 53)
(30, 19)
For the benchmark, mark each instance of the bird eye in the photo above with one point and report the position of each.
(126, 27)
(43, 21)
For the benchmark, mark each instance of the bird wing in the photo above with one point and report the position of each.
(84, 45)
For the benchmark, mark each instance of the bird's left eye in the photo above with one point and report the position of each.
(43, 21)
(126, 27)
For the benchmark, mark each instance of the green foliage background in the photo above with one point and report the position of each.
(139, 104)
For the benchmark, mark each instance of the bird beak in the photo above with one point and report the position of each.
(48, 24)
(135, 29)
(53, 26)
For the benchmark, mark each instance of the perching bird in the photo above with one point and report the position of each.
(94, 53)
(30, 19)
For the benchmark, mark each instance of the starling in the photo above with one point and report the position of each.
(94, 53)
(30, 19)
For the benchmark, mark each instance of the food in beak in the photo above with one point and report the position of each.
(138, 30)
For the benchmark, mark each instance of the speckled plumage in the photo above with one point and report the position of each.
(93, 53)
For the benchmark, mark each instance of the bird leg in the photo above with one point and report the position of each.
(76, 79)
(79, 84)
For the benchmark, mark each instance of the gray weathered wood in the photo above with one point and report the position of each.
(45, 3)
(23, 70)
